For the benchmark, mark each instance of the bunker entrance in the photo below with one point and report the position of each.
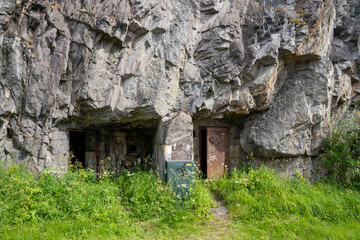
(111, 148)
(214, 151)
(77, 147)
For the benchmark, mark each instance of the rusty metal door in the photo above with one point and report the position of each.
(217, 151)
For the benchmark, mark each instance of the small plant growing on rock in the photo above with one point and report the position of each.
(300, 19)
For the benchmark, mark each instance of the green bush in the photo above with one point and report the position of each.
(342, 151)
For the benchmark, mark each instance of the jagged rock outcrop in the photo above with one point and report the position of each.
(279, 71)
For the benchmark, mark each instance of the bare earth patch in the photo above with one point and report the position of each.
(219, 226)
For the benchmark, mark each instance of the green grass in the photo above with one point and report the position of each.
(138, 205)
(78, 205)
(264, 205)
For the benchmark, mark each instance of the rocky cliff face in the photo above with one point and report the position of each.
(277, 71)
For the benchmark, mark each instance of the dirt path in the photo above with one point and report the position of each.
(220, 225)
(220, 212)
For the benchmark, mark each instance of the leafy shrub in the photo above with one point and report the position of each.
(342, 151)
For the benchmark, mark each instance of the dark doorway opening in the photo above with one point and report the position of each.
(78, 147)
(203, 152)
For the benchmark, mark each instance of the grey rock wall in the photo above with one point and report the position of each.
(279, 70)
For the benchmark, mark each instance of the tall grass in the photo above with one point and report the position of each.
(262, 205)
(259, 194)
(26, 198)
(147, 196)
(80, 200)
